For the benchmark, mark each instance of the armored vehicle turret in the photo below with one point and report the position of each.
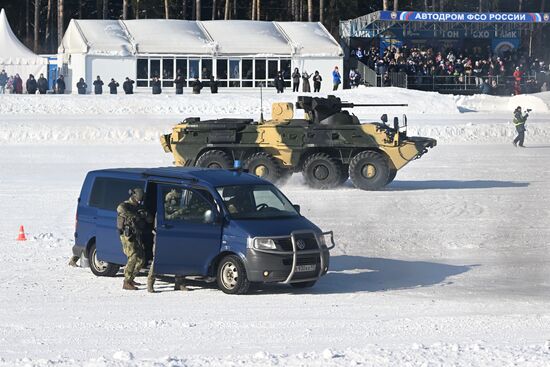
(329, 145)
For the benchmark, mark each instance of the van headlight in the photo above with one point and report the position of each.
(264, 244)
(322, 241)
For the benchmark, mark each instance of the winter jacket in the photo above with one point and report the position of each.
(113, 87)
(3, 79)
(213, 86)
(317, 79)
(81, 86)
(128, 86)
(197, 86)
(42, 85)
(98, 86)
(179, 83)
(305, 83)
(336, 78)
(60, 86)
(155, 85)
(296, 77)
(32, 86)
(279, 83)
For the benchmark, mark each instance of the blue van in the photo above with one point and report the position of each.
(229, 225)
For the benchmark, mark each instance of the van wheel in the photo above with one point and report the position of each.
(101, 268)
(369, 170)
(214, 159)
(264, 166)
(302, 285)
(321, 171)
(231, 277)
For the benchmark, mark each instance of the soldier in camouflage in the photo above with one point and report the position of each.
(172, 211)
(132, 220)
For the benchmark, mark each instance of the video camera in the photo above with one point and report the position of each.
(529, 110)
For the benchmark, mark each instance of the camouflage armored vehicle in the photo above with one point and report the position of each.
(329, 145)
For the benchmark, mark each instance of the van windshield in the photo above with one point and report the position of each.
(256, 202)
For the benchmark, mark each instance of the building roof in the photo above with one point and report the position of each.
(12, 51)
(218, 37)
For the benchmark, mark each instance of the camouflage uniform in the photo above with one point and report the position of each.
(132, 218)
(172, 211)
(519, 123)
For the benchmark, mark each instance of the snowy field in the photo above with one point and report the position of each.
(448, 266)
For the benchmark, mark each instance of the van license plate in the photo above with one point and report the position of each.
(304, 268)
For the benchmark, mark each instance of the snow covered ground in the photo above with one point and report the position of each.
(448, 266)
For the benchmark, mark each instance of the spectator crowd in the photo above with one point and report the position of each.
(513, 72)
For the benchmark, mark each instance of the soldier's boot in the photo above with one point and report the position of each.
(128, 286)
(151, 287)
(135, 284)
(73, 261)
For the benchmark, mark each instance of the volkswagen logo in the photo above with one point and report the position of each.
(301, 244)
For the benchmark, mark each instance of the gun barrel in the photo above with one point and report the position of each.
(377, 105)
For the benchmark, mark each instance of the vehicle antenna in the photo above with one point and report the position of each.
(261, 105)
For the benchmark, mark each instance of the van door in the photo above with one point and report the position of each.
(185, 243)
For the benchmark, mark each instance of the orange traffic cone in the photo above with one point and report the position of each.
(21, 236)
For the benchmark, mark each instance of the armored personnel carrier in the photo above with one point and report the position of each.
(329, 145)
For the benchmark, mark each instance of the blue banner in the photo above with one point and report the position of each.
(413, 16)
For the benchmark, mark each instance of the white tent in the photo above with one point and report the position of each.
(240, 53)
(15, 58)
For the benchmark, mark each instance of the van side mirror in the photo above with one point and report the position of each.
(209, 217)
(384, 118)
(297, 208)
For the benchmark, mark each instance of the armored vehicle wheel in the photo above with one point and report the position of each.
(369, 170)
(214, 159)
(101, 268)
(265, 166)
(231, 277)
(302, 285)
(393, 173)
(321, 171)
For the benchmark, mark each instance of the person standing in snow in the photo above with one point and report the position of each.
(113, 85)
(128, 86)
(197, 86)
(81, 86)
(3, 81)
(279, 82)
(42, 84)
(17, 84)
(519, 122)
(305, 82)
(155, 86)
(132, 220)
(317, 79)
(98, 85)
(336, 78)
(295, 80)
(213, 85)
(179, 83)
(32, 86)
(60, 85)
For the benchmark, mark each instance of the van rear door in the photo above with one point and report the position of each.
(185, 243)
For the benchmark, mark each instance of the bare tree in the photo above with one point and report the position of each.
(124, 9)
(258, 7)
(227, 9)
(27, 19)
(136, 9)
(167, 9)
(48, 22)
(385, 5)
(310, 10)
(253, 12)
(105, 8)
(36, 24)
(198, 9)
(395, 5)
(59, 21)
(214, 9)
(184, 9)
(321, 11)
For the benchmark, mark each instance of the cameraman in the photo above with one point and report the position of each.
(519, 123)
(132, 219)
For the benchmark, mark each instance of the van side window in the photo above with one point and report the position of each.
(107, 193)
(185, 205)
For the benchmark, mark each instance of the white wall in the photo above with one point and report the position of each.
(108, 67)
(325, 66)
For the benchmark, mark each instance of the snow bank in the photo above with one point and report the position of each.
(139, 118)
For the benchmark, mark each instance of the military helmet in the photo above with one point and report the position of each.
(137, 193)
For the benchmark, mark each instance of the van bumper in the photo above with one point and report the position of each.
(272, 266)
